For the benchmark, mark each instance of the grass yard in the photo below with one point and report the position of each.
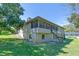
(8, 36)
(12, 46)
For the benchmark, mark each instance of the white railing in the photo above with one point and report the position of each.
(41, 30)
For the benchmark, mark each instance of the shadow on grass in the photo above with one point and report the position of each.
(17, 47)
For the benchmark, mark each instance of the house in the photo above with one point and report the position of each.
(39, 30)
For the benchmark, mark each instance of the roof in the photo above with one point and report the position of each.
(40, 18)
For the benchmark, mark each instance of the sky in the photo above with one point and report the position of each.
(54, 12)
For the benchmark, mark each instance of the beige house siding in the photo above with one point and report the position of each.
(36, 33)
(47, 37)
(27, 30)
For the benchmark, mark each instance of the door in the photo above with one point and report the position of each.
(43, 36)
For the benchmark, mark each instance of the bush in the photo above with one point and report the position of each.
(5, 33)
(12, 30)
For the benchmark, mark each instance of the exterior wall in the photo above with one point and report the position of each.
(39, 32)
(39, 38)
(27, 31)
(36, 33)
(48, 37)
(34, 37)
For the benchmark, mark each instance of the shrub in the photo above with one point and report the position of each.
(5, 33)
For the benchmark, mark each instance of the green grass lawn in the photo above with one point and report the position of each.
(10, 45)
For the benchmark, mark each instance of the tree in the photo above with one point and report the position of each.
(10, 13)
(73, 6)
(69, 28)
(74, 18)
